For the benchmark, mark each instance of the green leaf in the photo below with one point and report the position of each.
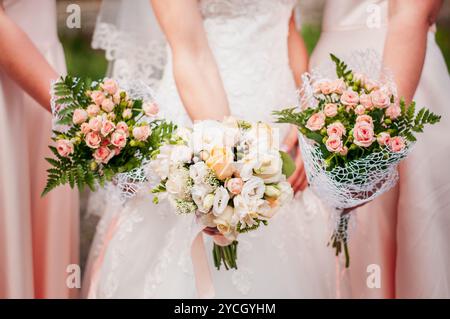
(288, 164)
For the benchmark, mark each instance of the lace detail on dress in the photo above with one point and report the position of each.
(132, 59)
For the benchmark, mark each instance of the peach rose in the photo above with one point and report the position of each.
(79, 116)
(350, 98)
(85, 128)
(234, 185)
(110, 86)
(380, 99)
(93, 140)
(393, 111)
(64, 147)
(151, 109)
(141, 133)
(326, 87)
(360, 110)
(103, 155)
(95, 124)
(127, 114)
(371, 85)
(334, 144)
(396, 144)
(336, 128)
(97, 97)
(122, 126)
(383, 138)
(107, 128)
(316, 121)
(365, 119)
(344, 151)
(363, 134)
(119, 139)
(93, 110)
(221, 162)
(107, 105)
(330, 110)
(338, 86)
(366, 101)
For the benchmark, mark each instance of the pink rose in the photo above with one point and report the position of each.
(103, 155)
(366, 101)
(350, 98)
(380, 99)
(64, 147)
(126, 114)
(79, 116)
(316, 121)
(360, 110)
(334, 144)
(93, 140)
(107, 128)
(396, 144)
(344, 151)
(105, 142)
(122, 126)
(95, 124)
(336, 128)
(119, 139)
(325, 87)
(234, 185)
(363, 134)
(393, 111)
(141, 133)
(383, 138)
(338, 86)
(110, 86)
(330, 110)
(151, 109)
(365, 119)
(93, 110)
(371, 85)
(107, 105)
(85, 128)
(97, 97)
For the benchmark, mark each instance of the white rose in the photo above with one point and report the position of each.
(270, 167)
(181, 154)
(244, 211)
(224, 222)
(161, 164)
(202, 198)
(177, 182)
(253, 189)
(262, 138)
(208, 134)
(221, 199)
(198, 172)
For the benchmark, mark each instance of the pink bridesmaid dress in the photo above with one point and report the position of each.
(406, 232)
(38, 236)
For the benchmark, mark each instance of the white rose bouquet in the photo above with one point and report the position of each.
(100, 132)
(231, 175)
(354, 131)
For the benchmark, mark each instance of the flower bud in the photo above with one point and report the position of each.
(272, 191)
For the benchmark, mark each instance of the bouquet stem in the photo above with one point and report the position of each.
(339, 239)
(226, 255)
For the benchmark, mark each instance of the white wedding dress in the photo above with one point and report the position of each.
(146, 253)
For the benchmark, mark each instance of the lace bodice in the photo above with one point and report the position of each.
(249, 42)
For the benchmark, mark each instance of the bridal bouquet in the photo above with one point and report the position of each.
(102, 132)
(354, 132)
(230, 175)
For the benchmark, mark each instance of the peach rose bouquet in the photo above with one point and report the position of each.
(354, 131)
(99, 132)
(231, 175)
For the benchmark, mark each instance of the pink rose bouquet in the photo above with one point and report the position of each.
(103, 132)
(354, 132)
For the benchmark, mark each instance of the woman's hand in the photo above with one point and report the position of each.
(298, 179)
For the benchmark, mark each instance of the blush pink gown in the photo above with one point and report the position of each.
(38, 237)
(406, 231)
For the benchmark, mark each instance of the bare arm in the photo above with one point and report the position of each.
(406, 41)
(22, 61)
(195, 70)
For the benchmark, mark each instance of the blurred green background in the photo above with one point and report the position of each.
(82, 60)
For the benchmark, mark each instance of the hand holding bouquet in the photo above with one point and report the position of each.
(103, 132)
(230, 175)
(357, 130)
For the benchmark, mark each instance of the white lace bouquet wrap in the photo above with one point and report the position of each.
(354, 131)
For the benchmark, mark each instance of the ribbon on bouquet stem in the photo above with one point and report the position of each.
(202, 272)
